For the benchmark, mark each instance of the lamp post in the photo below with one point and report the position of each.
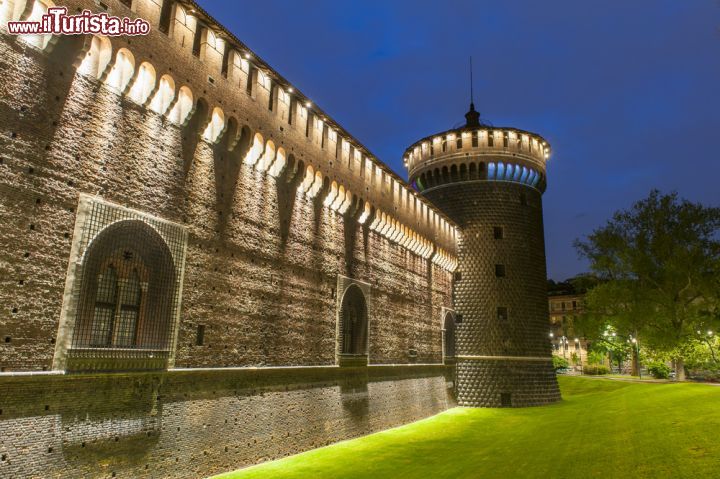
(637, 355)
(579, 353)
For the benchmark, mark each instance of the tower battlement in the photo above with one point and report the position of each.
(478, 153)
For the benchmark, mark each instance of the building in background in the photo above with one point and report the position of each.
(565, 304)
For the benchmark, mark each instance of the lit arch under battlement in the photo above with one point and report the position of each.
(362, 183)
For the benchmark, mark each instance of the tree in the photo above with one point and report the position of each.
(659, 264)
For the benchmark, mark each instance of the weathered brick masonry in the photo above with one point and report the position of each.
(262, 263)
(195, 423)
(264, 260)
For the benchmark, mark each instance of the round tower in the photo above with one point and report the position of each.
(490, 180)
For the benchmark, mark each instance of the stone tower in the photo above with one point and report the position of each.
(490, 180)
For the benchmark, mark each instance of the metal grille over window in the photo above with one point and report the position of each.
(125, 286)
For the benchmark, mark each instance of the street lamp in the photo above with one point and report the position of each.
(637, 353)
(579, 352)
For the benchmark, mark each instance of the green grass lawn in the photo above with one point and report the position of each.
(602, 428)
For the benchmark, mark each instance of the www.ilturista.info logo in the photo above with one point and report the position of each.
(57, 22)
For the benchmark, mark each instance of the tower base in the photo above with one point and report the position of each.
(497, 382)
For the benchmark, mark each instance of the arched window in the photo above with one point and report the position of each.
(353, 322)
(97, 57)
(463, 172)
(127, 292)
(180, 112)
(39, 8)
(255, 150)
(339, 198)
(215, 127)
(449, 337)
(332, 194)
(316, 185)
(279, 164)
(144, 84)
(267, 158)
(183, 26)
(164, 96)
(366, 213)
(122, 71)
(345, 205)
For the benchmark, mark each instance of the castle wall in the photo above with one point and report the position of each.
(263, 264)
(262, 261)
(195, 423)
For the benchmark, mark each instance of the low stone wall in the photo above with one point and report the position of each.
(197, 422)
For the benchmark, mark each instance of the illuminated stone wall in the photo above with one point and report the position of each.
(195, 423)
(263, 259)
(269, 241)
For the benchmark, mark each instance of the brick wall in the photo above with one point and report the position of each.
(261, 275)
(262, 262)
(194, 423)
(507, 355)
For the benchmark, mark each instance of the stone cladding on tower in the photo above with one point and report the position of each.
(490, 181)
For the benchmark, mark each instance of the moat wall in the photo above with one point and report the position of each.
(195, 423)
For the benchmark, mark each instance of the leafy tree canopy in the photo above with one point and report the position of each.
(658, 267)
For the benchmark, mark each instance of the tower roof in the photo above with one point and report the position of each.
(472, 117)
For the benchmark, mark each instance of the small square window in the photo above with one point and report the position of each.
(200, 338)
(498, 232)
(502, 313)
(458, 276)
(500, 270)
(458, 319)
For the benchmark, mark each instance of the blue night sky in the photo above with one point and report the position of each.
(626, 92)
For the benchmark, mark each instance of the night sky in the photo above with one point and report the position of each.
(626, 92)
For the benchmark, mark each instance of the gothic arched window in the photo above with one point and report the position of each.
(127, 298)
(118, 304)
